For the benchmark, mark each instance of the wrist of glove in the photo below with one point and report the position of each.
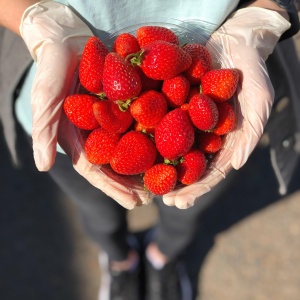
(55, 37)
(247, 38)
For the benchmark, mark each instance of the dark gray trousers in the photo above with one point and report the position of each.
(105, 221)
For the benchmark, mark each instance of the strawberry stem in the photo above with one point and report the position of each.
(173, 162)
(135, 58)
(101, 96)
(124, 105)
(150, 135)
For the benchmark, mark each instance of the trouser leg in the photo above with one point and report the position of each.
(103, 219)
(177, 228)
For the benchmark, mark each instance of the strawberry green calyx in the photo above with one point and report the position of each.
(173, 162)
(101, 95)
(136, 58)
(200, 89)
(124, 105)
(150, 135)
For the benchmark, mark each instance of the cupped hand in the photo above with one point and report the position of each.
(55, 37)
(246, 39)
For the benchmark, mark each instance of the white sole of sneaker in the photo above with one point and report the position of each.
(105, 279)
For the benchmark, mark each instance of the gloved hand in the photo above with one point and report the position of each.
(247, 38)
(55, 37)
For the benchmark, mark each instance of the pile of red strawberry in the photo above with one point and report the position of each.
(152, 107)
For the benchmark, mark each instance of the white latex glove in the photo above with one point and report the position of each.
(55, 37)
(247, 37)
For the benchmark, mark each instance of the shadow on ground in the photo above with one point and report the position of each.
(37, 244)
(36, 248)
(250, 190)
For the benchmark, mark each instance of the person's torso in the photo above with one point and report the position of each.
(108, 15)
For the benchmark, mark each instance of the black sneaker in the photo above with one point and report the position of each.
(123, 285)
(169, 283)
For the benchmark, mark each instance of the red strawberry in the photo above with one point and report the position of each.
(148, 83)
(192, 167)
(160, 179)
(148, 130)
(194, 90)
(227, 119)
(149, 108)
(208, 142)
(100, 145)
(120, 79)
(125, 44)
(185, 106)
(203, 112)
(92, 64)
(176, 90)
(111, 117)
(161, 60)
(148, 34)
(79, 110)
(174, 135)
(220, 84)
(201, 62)
(134, 154)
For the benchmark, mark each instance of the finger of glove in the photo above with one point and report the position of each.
(56, 65)
(124, 194)
(256, 99)
(53, 22)
(185, 197)
(126, 197)
(218, 169)
(256, 27)
(255, 95)
(119, 189)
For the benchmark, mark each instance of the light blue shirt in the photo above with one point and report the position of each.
(107, 16)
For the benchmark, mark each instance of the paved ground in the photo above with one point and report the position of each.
(247, 247)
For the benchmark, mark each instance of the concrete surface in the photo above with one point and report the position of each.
(247, 246)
